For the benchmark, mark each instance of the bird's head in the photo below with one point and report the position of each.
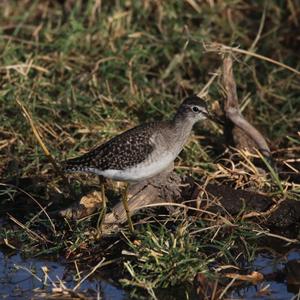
(193, 108)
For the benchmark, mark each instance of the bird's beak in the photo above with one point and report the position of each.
(213, 117)
(216, 119)
(207, 114)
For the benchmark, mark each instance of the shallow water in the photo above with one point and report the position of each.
(18, 283)
(278, 278)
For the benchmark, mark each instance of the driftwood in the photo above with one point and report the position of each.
(244, 135)
(166, 187)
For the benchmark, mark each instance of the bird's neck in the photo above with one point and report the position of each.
(183, 126)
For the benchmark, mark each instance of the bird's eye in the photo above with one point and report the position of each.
(195, 109)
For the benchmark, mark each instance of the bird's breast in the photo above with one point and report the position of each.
(142, 171)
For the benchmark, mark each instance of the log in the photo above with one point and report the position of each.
(171, 190)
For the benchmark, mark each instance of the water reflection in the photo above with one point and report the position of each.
(282, 277)
(19, 277)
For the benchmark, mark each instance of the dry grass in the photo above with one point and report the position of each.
(86, 70)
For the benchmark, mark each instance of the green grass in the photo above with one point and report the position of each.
(86, 72)
(167, 256)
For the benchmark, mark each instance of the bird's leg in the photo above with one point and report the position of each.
(103, 210)
(125, 204)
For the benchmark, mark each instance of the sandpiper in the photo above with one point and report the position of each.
(143, 151)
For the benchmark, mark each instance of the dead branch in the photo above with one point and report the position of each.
(232, 112)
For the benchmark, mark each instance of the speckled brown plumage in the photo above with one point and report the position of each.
(121, 152)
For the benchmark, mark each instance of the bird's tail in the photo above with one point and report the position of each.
(77, 164)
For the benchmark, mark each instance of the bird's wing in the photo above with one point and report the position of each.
(123, 151)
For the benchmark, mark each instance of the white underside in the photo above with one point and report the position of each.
(140, 172)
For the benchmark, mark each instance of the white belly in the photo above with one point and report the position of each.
(140, 172)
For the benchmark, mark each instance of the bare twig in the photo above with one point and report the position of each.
(264, 232)
(99, 265)
(31, 233)
(204, 90)
(41, 143)
(43, 209)
(216, 47)
(258, 35)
